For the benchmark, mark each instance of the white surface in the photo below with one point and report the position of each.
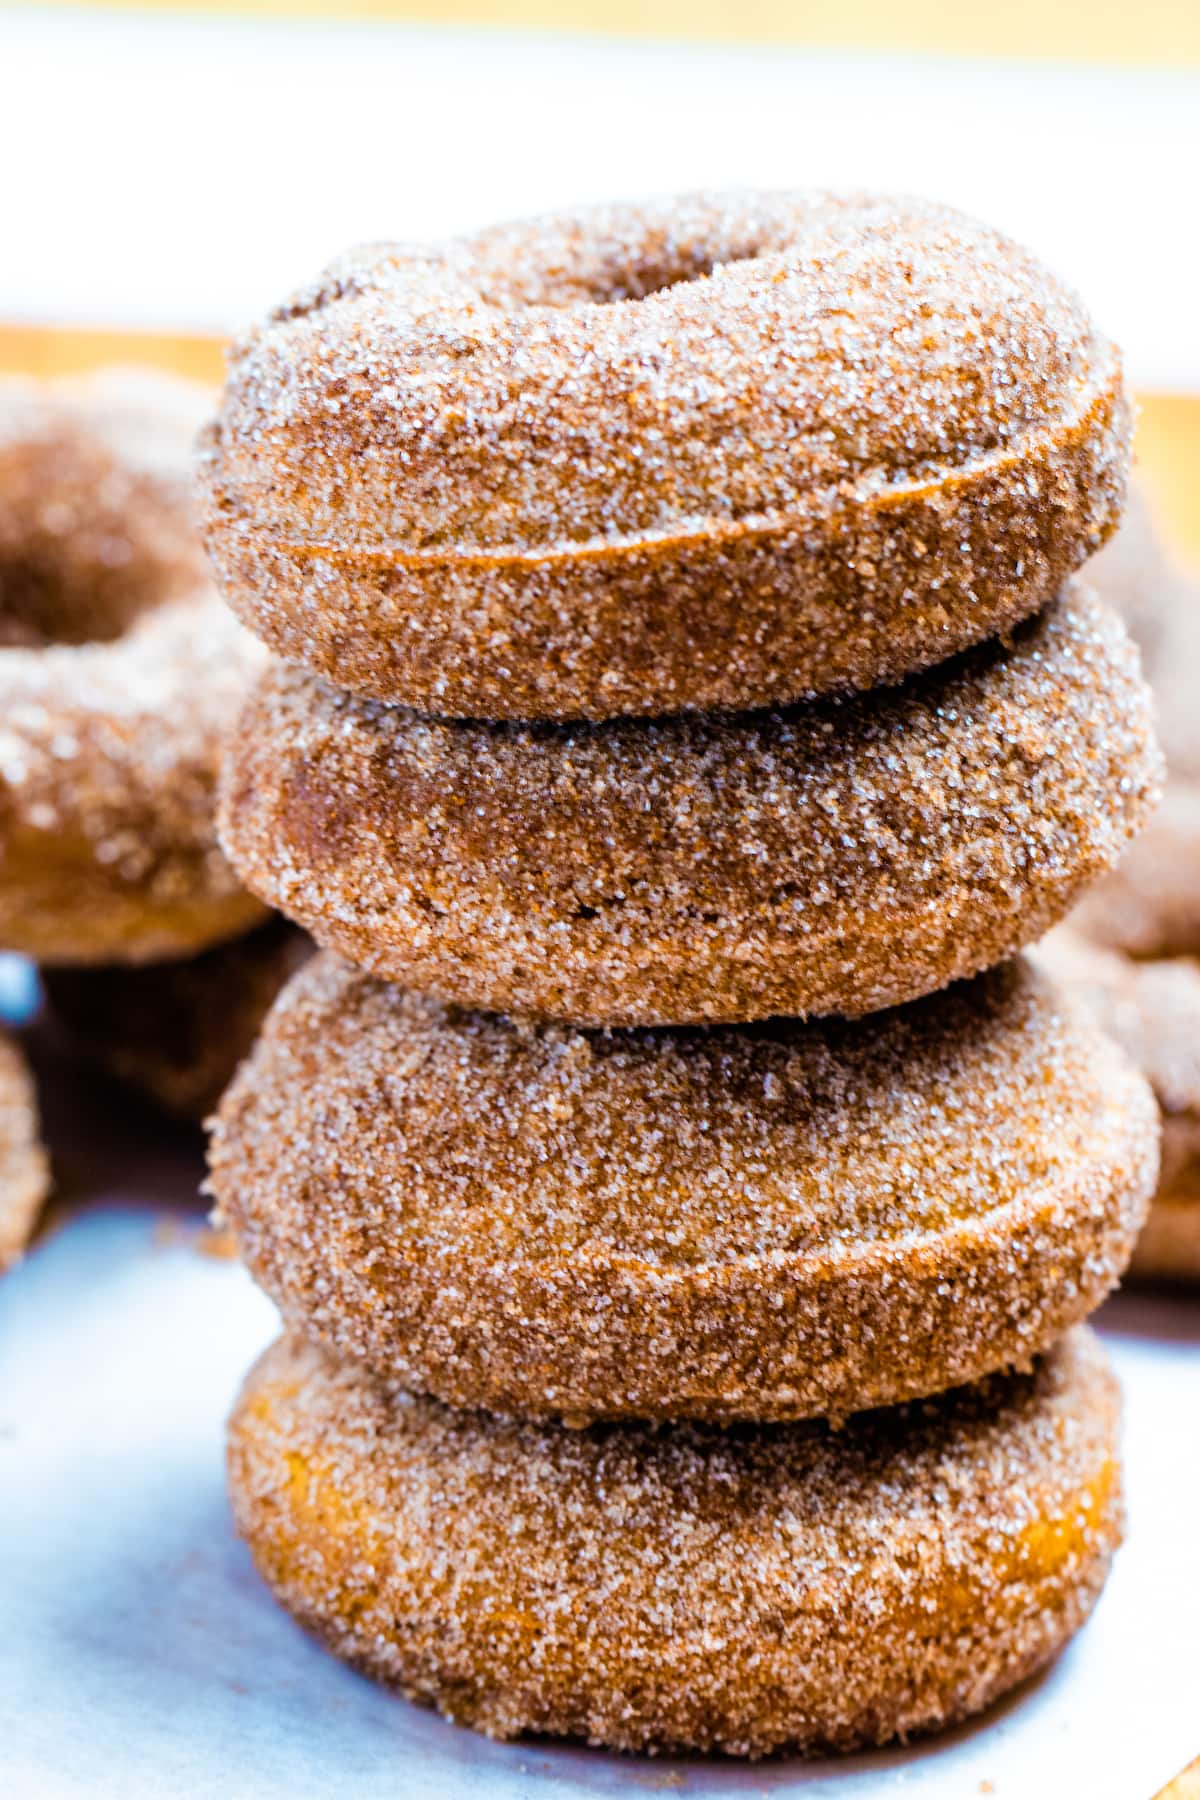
(174, 172)
(141, 1657)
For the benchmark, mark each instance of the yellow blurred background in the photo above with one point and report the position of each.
(1154, 33)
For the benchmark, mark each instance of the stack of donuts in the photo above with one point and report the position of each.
(681, 1196)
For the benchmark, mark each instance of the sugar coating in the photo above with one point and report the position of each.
(715, 451)
(742, 1591)
(1152, 1009)
(177, 1030)
(745, 1222)
(96, 517)
(839, 857)
(24, 1165)
(108, 769)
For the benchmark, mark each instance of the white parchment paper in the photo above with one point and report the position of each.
(140, 1656)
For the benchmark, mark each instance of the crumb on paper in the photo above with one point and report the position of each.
(217, 1242)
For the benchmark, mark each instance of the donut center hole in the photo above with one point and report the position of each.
(656, 272)
(43, 603)
(652, 277)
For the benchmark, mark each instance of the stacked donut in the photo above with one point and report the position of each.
(681, 1205)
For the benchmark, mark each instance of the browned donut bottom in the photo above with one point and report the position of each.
(24, 1167)
(721, 451)
(836, 858)
(736, 1223)
(681, 1587)
(177, 1030)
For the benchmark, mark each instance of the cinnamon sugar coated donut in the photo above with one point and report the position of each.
(177, 1030)
(721, 451)
(95, 502)
(840, 858)
(743, 1591)
(24, 1166)
(757, 1223)
(120, 674)
(1152, 1009)
(108, 769)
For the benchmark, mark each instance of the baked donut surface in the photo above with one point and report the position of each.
(96, 517)
(835, 858)
(683, 1587)
(177, 1030)
(1152, 1009)
(717, 452)
(109, 754)
(739, 1223)
(24, 1166)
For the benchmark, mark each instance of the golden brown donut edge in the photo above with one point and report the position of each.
(748, 1592)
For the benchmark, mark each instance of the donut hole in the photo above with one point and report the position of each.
(47, 597)
(655, 275)
(616, 269)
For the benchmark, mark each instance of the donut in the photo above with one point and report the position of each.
(95, 503)
(176, 1031)
(108, 767)
(24, 1166)
(1161, 606)
(685, 1588)
(1134, 574)
(120, 674)
(1153, 1011)
(835, 858)
(713, 452)
(725, 1223)
(1149, 906)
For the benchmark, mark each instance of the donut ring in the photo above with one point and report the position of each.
(176, 1031)
(108, 768)
(1152, 1009)
(839, 858)
(24, 1165)
(728, 1224)
(717, 452)
(95, 503)
(685, 1588)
